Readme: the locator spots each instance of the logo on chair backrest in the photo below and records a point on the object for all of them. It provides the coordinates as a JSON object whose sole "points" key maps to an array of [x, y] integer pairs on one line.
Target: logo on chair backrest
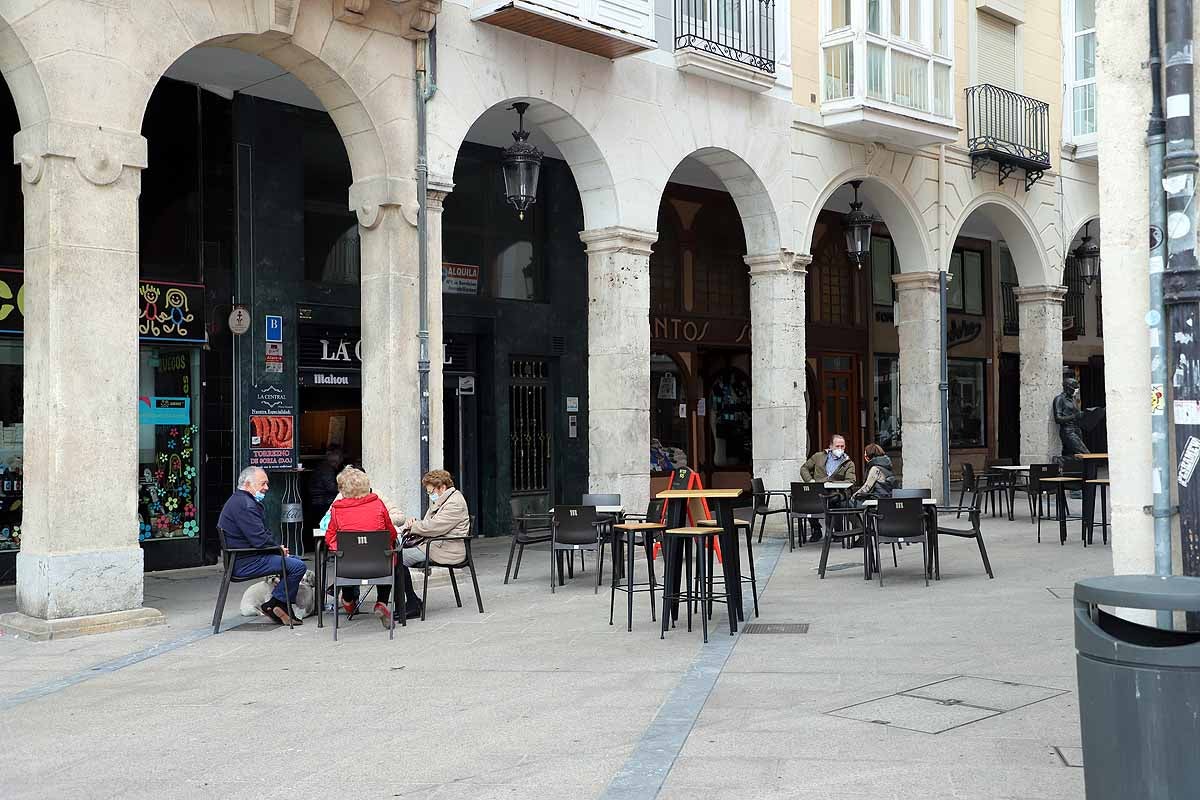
{"points": [[362, 540], [574, 512], [899, 505]]}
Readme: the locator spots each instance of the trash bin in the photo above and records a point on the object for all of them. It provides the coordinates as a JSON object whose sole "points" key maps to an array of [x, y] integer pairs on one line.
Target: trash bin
{"points": [[1139, 690]]}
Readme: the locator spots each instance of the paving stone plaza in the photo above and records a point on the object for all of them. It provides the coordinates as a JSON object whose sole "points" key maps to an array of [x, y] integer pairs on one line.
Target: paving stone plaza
{"points": [[962, 689]]}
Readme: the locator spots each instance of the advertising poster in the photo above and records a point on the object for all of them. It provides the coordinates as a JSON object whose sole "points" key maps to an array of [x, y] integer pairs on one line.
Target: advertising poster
{"points": [[460, 279], [272, 430]]}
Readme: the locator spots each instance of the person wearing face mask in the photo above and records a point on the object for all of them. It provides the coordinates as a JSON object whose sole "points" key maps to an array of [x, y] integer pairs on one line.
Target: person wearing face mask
{"points": [[831, 464], [359, 509], [447, 515], [245, 524]]}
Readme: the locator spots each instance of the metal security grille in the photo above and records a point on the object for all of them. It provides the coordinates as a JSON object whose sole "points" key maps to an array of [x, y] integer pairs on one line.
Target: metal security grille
{"points": [[531, 441]]}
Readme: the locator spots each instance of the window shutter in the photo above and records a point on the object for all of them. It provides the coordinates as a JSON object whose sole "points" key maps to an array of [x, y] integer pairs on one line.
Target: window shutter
{"points": [[996, 56]]}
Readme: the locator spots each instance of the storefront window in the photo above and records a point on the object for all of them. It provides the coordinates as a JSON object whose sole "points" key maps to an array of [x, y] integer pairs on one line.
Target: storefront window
{"points": [[729, 416], [968, 410], [882, 268], [668, 419], [11, 433], [168, 444], [965, 292], [887, 401]]}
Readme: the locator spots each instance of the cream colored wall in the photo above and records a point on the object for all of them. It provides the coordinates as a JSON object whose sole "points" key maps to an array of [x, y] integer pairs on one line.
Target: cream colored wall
{"points": [[1041, 45], [806, 53]]}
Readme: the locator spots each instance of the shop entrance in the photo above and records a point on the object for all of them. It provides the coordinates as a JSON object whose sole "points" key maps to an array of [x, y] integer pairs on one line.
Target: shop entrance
{"points": [[838, 409]]}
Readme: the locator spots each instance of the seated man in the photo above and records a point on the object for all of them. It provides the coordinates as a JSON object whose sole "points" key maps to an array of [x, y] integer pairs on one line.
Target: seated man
{"points": [[245, 525], [831, 464], [447, 515]]}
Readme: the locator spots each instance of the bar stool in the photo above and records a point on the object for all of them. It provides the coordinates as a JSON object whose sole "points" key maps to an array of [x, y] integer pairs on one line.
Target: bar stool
{"points": [[739, 526], [625, 535], [1102, 484], [692, 540]]}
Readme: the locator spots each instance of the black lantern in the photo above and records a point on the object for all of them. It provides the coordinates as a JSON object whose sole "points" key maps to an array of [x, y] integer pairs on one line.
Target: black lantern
{"points": [[1087, 257], [522, 162], [857, 225]]}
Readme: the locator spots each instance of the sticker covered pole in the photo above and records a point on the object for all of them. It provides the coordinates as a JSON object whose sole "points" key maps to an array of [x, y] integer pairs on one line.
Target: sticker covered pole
{"points": [[1181, 282]]}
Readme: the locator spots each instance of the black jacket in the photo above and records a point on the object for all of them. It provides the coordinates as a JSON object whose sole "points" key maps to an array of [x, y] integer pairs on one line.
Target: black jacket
{"points": [[245, 522], [880, 479]]}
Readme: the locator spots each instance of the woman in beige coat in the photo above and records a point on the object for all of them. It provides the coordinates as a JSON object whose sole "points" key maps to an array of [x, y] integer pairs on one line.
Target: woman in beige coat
{"points": [[447, 516]]}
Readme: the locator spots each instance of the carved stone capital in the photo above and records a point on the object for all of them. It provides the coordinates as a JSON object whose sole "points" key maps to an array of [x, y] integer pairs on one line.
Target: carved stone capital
{"points": [[100, 154], [618, 239], [916, 281], [1040, 294], [784, 262], [416, 16], [370, 196]]}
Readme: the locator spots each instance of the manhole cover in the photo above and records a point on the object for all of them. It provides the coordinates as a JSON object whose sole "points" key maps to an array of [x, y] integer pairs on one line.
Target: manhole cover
{"points": [[777, 627]]}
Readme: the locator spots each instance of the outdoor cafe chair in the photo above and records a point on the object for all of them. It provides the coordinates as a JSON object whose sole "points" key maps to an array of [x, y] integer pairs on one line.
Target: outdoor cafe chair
{"points": [[572, 530], [808, 502], [1039, 492], [991, 486], [761, 508], [528, 528], [467, 563], [851, 523], [365, 559], [604, 521], [230, 557], [899, 520], [955, 530]]}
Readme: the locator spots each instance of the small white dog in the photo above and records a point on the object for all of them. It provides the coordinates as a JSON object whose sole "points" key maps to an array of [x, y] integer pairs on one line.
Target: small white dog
{"points": [[259, 593]]}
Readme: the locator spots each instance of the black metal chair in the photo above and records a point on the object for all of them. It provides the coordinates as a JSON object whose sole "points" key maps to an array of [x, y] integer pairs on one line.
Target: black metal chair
{"points": [[230, 557], [740, 526], [365, 558], [990, 485], [973, 515], [604, 521], [844, 524], [635, 530], [899, 520], [761, 507], [572, 530], [807, 502], [1038, 492], [467, 562], [529, 528]]}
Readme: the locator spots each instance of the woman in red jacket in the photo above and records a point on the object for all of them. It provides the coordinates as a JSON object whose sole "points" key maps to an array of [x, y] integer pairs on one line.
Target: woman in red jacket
{"points": [[359, 509]]}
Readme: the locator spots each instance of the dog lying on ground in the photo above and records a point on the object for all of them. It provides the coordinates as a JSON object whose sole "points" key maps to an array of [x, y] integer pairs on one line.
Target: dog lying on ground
{"points": [[259, 593]]}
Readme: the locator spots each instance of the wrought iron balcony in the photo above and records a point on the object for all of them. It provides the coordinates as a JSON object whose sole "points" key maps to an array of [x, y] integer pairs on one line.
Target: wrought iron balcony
{"points": [[1009, 128], [740, 31]]}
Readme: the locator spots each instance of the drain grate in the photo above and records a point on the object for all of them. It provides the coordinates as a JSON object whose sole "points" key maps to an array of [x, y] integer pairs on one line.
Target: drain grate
{"points": [[777, 627], [255, 627]]}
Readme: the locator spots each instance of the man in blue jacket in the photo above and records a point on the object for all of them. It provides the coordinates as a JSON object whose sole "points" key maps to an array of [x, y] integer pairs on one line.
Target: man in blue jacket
{"points": [[245, 525]]}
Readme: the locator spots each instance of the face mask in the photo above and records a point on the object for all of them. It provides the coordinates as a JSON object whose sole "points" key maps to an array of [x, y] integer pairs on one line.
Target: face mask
{"points": [[838, 452], [433, 497], [259, 496]]}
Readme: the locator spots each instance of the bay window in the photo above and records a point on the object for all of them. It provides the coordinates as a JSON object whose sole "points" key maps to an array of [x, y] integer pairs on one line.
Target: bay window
{"points": [[900, 49], [1080, 69]]}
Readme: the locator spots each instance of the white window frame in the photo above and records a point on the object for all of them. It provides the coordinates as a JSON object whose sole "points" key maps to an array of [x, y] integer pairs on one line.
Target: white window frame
{"points": [[1070, 83], [920, 47]]}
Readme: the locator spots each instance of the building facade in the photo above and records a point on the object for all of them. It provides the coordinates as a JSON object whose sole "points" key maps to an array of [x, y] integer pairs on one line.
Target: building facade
{"points": [[679, 293]]}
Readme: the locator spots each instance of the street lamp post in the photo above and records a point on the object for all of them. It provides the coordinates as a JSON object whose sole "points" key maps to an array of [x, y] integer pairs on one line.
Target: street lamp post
{"points": [[521, 164], [857, 226]]}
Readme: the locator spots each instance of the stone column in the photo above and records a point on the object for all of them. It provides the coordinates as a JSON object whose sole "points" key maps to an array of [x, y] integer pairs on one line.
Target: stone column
{"points": [[80, 566], [778, 378], [919, 326], [1040, 309], [618, 423], [433, 210], [390, 387]]}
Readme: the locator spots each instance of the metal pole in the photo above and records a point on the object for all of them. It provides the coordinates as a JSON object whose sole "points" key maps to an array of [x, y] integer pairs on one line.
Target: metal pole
{"points": [[944, 386], [1156, 141], [425, 91], [1181, 282]]}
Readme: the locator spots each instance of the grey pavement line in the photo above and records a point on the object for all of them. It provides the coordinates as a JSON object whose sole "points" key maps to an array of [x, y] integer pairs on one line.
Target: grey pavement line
{"points": [[646, 769], [114, 665]]}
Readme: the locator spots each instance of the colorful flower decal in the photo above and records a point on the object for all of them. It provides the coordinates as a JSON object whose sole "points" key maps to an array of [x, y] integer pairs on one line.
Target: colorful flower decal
{"points": [[172, 444], [163, 522], [174, 431], [159, 474], [194, 428], [162, 458], [189, 472], [187, 453], [191, 528], [144, 530], [189, 511], [184, 491], [172, 504]]}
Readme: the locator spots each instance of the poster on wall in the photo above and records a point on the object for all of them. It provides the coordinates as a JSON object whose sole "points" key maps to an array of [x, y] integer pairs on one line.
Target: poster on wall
{"points": [[460, 279], [272, 426]]}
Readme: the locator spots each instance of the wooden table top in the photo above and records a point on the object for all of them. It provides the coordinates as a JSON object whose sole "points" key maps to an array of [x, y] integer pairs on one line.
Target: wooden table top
{"points": [[925, 501], [690, 532], [1092, 456], [639, 526], [838, 485], [711, 494], [1062, 480], [1100, 481]]}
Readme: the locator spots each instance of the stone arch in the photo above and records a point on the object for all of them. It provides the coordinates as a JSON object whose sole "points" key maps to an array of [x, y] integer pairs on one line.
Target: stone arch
{"points": [[760, 220], [21, 76], [593, 178], [1030, 256], [897, 207], [1075, 229]]}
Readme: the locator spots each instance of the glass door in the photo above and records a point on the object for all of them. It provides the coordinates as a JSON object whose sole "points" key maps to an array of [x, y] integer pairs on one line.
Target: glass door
{"points": [[839, 405], [168, 444]]}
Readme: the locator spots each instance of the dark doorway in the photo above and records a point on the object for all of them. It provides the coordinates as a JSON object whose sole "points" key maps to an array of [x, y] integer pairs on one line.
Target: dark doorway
{"points": [[1008, 444]]}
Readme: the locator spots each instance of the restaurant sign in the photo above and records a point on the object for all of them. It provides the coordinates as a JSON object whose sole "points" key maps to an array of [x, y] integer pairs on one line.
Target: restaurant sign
{"points": [[709, 330]]}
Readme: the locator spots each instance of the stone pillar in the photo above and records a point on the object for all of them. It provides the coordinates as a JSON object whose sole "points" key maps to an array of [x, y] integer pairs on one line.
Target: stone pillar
{"points": [[778, 378], [80, 566], [433, 210], [618, 423], [390, 387], [1040, 309], [919, 326]]}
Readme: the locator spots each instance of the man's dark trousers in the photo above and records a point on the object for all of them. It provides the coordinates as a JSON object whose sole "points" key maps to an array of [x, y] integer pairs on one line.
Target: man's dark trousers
{"points": [[260, 566]]}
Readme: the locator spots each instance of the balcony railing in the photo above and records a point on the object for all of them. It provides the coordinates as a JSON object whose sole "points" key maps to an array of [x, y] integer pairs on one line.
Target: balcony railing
{"points": [[1012, 316], [742, 31], [1009, 128]]}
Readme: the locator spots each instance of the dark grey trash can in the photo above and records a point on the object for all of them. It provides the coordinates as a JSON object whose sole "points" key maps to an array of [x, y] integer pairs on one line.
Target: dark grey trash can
{"points": [[1139, 690]]}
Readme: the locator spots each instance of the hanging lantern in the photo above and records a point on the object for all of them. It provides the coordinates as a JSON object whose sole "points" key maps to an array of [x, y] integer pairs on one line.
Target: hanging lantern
{"points": [[1087, 257], [857, 225], [521, 162]]}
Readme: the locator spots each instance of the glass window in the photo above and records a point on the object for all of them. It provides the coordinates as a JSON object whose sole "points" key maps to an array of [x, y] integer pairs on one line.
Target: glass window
{"points": [[972, 282], [668, 428], [910, 81], [874, 18], [954, 291], [882, 268], [168, 444], [877, 71], [968, 410], [839, 72], [12, 414], [914, 21], [841, 13], [729, 418], [1083, 70], [942, 91], [941, 28], [887, 401], [897, 20]]}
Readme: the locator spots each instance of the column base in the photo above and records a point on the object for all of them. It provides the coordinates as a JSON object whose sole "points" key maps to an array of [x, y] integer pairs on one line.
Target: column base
{"points": [[85, 583], [24, 626]]}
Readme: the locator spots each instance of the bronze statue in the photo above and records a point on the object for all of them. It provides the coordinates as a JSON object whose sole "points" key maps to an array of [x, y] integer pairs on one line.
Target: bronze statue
{"points": [[1068, 416]]}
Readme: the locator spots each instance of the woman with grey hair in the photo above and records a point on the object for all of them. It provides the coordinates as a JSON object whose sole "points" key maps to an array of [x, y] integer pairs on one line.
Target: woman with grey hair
{"points": [[360, 509]]}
